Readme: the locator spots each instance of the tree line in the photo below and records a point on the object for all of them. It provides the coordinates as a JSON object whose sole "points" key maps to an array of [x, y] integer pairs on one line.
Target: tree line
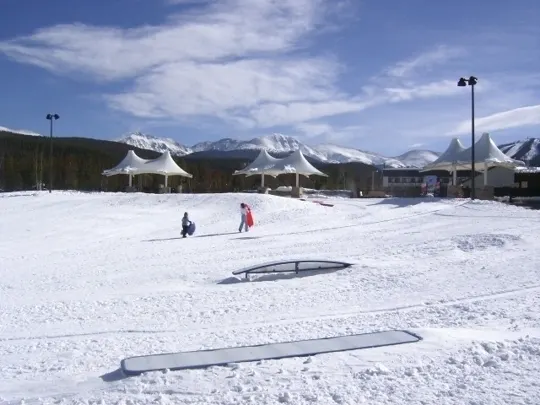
{"points": [[78, 164]]}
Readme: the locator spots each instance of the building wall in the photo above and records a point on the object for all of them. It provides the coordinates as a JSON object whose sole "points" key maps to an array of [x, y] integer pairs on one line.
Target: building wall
{"points": [[403, 180], [406, 181], [497, 177]]}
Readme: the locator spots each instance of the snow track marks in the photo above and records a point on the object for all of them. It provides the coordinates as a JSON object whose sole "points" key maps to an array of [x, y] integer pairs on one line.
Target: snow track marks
{"points": [[307, 316]]}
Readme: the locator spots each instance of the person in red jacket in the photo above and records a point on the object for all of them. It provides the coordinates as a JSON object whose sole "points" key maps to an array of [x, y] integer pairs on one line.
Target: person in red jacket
{"points": [[244, 210]]}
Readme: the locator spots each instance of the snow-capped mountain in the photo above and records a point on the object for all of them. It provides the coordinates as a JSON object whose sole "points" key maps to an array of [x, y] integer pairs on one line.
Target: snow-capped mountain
{"points": [[19, 131], [276, 143], [280, 144], [224, 144], [527, 151], [150, 142], [341, 154]]}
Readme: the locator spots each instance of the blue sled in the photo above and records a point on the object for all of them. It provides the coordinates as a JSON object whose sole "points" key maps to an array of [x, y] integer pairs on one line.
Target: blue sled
{"points": [[191, 229]]}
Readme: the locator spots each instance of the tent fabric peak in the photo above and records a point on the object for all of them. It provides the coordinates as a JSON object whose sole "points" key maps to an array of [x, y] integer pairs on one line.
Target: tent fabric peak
{"points": [[265, 164], [486, 154], [133, 165]]}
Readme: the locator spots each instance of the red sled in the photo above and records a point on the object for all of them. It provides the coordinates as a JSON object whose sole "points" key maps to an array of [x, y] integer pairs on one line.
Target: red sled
{"points": [[249, 219]]}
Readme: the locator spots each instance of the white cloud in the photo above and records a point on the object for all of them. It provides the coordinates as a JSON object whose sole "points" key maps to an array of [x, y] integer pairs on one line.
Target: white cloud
{"points": [[424, 61], [518, 117], [230, 60], [243, 62], [215, 88], [434, 89], [275, 114], [329, 133], [230, 29], [315, 129], [189, 2]]}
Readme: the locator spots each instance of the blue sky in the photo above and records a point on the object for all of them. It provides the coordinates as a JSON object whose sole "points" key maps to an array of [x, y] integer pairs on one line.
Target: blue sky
{"points": [[378, 75]]}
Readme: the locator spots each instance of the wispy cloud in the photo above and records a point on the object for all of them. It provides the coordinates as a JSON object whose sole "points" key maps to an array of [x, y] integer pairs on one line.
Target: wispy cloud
{"points": [[188, 2], [235, 60], [219, 32], [425, 61], [518, 117], [189, 88], [251, 65], [434, 89], [328, 133]]}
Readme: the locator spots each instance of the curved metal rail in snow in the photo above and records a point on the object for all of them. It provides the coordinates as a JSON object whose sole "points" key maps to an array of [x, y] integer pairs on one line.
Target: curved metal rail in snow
{"points": [[293, 266]]}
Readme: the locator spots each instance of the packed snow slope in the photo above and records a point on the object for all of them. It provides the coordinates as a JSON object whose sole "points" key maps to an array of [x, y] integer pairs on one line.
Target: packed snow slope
{"points": [[89, 279]]}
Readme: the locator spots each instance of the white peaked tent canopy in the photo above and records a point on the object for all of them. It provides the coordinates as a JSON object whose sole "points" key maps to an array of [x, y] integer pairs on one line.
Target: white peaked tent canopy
{"points": [[164, 165], [298, 164], [133, 165], [487, 153], [130, 165], [265, 164], [449, 159], [262, 165]]}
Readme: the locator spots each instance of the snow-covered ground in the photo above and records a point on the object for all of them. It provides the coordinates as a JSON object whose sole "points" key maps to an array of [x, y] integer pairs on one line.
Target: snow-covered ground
{"points": [[89, 279]]}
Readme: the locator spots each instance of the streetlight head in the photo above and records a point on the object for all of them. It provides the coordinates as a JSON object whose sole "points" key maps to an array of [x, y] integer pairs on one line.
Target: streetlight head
{"points": [[472, 80], [49, 116], [56, 116], [462, 82]]}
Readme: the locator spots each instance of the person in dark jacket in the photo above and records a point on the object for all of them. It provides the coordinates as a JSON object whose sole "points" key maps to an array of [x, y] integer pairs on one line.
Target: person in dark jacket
{"points": [[185, 224]]}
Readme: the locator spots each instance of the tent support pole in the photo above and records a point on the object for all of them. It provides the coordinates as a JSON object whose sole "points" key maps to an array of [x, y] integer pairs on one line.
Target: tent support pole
{"points": [[262, 180], [454, 176], [485, 174], [130, 180], [166, 180], [297, 180]]}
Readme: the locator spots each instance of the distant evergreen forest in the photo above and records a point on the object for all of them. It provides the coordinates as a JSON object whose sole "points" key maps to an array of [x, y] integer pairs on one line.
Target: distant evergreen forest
{"points": [[79, 162]]}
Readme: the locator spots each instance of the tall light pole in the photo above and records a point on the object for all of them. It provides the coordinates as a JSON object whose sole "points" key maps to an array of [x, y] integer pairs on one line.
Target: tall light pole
{"points": [[471, 81], [51, 117]]}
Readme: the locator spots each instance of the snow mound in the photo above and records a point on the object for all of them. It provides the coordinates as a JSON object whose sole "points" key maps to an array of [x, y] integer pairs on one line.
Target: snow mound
{"points": [[468, 243], [87, 279]]}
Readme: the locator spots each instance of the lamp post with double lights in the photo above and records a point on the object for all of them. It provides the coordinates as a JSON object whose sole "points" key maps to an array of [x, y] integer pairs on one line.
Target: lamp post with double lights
{"points": [[471, 81], [51, 117]]}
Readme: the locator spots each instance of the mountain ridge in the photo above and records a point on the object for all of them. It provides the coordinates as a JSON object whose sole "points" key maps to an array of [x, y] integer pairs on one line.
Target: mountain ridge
{"points": [[281, 144], [526, 150]]}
